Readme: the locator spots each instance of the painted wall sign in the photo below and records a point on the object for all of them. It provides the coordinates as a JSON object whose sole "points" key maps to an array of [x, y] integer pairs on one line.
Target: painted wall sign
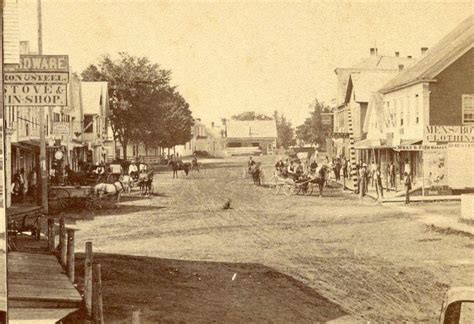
{"points": [[61, 128], [44, 63], [35, 94], [449, 133], [36, 77]]}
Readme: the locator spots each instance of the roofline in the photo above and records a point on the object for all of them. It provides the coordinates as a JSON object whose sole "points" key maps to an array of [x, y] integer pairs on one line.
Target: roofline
{"points": [[436, 72], [405, 85]]}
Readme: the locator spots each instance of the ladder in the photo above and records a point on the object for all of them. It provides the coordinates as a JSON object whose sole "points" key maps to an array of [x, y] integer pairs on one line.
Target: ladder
{"points": [[352, 153]]}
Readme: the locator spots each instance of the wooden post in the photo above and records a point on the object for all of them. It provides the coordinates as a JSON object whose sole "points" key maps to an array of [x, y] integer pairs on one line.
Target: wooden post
{"points": [[70, 254], [136, 317], [38, 230], [62, 243], [97, 310], [51, 234], [88, 279]]}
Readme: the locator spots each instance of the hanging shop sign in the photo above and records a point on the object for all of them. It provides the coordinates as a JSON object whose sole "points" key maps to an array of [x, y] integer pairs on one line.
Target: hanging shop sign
{"points": [[44, 63], [35, 94], [35, 78], [449, 133], [60, 128]]}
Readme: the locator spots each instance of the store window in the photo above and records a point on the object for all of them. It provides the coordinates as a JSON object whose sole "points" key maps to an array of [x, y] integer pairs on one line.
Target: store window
{"points": [[468, 109]]}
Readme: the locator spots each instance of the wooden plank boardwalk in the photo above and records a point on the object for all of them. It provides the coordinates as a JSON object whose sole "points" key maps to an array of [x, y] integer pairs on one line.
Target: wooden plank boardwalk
{"points": [[39, 291]]}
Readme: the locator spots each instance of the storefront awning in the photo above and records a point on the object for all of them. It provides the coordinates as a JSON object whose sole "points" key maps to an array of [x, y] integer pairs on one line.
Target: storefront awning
{"points": [[409, 145], [370, 144]]}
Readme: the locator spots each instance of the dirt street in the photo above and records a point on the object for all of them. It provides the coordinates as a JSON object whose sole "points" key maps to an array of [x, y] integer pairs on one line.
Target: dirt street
{"points": [[270, 257]]}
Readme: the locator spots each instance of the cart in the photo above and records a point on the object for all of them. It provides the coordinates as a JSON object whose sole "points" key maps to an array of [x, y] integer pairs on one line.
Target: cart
{"points": [[61, 198]]}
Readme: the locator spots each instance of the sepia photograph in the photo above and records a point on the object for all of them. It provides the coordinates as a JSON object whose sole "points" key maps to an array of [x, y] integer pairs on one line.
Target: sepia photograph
{"points": [[171, 161]]}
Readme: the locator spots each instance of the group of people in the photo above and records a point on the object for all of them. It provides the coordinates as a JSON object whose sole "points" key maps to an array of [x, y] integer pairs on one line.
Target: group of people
{"points": [[373, 175], [24, 184]]}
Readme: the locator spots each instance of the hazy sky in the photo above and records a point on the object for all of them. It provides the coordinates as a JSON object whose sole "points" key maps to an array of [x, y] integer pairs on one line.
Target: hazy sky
{"points": [[229, 57]]}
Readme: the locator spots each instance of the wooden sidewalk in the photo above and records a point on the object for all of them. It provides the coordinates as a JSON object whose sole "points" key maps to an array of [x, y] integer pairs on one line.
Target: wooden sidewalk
{"points": [[39, 290]]}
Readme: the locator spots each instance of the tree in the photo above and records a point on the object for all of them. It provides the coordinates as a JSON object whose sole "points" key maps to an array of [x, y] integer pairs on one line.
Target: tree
{"points": [[285, 132], [144, 108], [312, 131], [250, 115]]}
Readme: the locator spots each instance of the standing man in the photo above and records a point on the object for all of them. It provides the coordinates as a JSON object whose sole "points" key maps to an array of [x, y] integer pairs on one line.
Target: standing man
{"points": [[250, 163], [407, 183], [362, 180], [378, 183], [391, 174]]}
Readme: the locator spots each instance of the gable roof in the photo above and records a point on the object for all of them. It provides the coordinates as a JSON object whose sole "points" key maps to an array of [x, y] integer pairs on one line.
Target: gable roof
{"points": [[251, 129], [440, 56], [94, 98], [375, 113], [370, 64], [365, 83]]}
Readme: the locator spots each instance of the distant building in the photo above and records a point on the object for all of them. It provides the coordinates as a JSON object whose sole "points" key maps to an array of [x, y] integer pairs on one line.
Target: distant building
{"points": [[205, 140], [242, 137]]}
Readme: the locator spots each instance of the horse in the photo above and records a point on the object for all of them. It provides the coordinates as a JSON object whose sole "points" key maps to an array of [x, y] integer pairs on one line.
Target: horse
{"points": [[177, 166], [321, 178], [128, 182], [103, 189], [145, 182]]}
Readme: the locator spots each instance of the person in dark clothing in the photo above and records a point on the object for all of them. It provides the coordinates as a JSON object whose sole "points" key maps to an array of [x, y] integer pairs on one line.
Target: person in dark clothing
{"points": [[337, 169], [378, 182], [250, 163], [391, 174], [407, 182]]}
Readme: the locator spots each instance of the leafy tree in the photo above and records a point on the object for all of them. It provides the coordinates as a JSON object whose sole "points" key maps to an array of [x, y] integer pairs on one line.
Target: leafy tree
{"points": [[144, 108], [312, 131], [285, 131], [250, 115]]}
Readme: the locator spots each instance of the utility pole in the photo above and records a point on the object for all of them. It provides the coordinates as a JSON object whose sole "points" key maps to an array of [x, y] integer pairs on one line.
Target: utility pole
{"points": [[43, 167]]}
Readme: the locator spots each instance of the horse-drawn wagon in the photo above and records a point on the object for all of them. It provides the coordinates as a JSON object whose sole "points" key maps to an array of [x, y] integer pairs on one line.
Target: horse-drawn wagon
{"points": [[60, 198]]}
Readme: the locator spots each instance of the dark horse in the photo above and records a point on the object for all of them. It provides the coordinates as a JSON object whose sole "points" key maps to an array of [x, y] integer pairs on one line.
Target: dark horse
{"points": [[145, 182], [320, 179], [177, 166]]}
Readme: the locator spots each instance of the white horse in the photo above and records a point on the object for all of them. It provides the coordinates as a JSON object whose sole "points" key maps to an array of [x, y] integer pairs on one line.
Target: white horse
{"points": [[127, 182], [102, 189]]}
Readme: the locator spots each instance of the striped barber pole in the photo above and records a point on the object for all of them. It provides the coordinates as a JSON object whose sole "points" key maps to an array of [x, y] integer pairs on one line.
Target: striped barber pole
{"points": [[352, 152]]}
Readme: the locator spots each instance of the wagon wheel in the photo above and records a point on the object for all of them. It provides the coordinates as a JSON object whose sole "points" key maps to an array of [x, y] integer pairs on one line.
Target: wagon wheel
{"points": [[92, 202], [58, 200], [297, 189]]}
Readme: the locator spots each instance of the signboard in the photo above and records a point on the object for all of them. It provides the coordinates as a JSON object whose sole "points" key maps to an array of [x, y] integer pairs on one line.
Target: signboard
{"points": [[35, 94], [460, 162], [44, 63], [39, 77], [60, 128], [434, 166], [326, 119], [449, 133], [340, 135]]}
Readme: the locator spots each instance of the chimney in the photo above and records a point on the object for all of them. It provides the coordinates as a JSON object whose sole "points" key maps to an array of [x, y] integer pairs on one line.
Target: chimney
{"points": [[373, 52], [409, 56], [397, 54], [24, 47], [424, 50], [400, 67]]}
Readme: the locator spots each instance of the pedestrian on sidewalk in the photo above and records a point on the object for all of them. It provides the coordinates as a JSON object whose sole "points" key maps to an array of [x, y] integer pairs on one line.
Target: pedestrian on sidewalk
{"points": [[362, 180], [378, 183], [407, 182], [391, 174]]}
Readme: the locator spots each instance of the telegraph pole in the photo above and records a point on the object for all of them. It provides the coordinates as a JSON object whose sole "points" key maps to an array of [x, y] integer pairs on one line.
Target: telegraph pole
{"points": [[43, 168]]}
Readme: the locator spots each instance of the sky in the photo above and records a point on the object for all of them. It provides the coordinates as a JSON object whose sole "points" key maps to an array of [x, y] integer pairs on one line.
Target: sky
{"points": [[229, 57]]}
